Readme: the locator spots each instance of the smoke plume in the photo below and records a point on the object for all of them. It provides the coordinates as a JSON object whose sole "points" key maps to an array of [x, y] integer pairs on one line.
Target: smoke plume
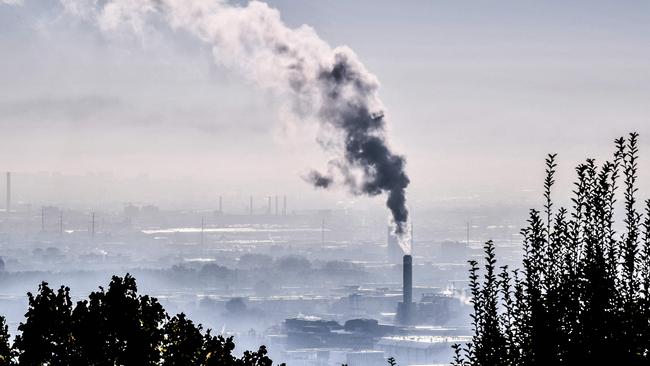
{"points": [[323, 84]]}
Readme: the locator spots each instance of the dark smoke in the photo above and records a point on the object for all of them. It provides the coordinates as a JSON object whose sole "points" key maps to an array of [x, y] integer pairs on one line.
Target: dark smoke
{"points": [[365, 145], [319, 180]]}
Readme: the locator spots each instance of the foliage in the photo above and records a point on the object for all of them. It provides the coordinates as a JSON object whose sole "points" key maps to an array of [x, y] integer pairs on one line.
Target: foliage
{"points": [[114, 327], [6, 353], [582, 295]]}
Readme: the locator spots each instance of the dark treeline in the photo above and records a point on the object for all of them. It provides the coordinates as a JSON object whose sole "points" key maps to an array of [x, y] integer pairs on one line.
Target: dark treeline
{"points": [[115, 326], [581, 296]]}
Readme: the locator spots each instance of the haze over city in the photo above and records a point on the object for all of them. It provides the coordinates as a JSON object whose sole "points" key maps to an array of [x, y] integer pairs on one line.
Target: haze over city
{"points": [[281, 170]]}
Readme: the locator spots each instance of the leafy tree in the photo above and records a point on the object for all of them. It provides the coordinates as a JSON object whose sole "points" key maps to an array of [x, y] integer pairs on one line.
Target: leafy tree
{"points": [[183, 342], [581, 295], [114, 327], [118, 326], [6, 353], [46, 333]]}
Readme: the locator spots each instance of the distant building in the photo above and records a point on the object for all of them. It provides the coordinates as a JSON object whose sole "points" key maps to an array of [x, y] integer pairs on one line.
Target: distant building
{"points": [[419, 350], [356, 334], [131, 211], [365, 358]]}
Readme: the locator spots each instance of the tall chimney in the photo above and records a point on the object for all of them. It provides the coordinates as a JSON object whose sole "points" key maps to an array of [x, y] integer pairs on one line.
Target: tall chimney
{"points": [[408, 280], [8, 207], [407, 309]]}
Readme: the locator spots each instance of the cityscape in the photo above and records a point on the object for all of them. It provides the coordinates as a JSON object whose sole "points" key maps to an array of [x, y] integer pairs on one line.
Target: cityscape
{"points": [[324, 183], [317, 286]]}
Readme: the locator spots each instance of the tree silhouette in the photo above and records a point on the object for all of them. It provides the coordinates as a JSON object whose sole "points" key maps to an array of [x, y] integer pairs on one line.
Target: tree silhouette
{"points": [[6, 353], [114, 327], [581, 295]]}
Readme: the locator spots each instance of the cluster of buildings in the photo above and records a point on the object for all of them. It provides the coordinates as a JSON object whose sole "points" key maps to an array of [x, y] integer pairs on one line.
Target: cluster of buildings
{"points": [[409, 307]]}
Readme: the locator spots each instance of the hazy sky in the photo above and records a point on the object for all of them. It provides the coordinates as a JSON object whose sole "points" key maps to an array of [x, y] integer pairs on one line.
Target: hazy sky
{"points": [[477, 93]]}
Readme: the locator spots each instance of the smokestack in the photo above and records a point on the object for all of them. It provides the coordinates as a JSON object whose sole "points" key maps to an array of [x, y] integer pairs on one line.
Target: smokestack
{"points": [[268, 208], [220, 206], [251, 206], [284, 206], [408, 280], [8, 207], [276, 206], [406, 309]]}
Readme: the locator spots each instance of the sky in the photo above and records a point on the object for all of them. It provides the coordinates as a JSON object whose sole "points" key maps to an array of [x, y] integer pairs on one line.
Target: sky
{"points": [[477, 93]]}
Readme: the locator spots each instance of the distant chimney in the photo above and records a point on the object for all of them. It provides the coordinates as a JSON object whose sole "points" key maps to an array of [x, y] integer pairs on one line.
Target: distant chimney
{"points": [[394, 251], [251, 206], [220, 206], [8, 206]]}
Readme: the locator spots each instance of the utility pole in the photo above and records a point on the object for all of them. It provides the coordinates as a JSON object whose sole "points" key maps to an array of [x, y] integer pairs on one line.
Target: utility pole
{"points": [[251, 206], [202, 228], [322, 233], [61, 222], [8, 207], [92, 226]]}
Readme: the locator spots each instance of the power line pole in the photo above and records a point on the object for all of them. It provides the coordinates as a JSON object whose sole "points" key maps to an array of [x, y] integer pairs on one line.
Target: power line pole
{"points": [[92, 226], [322, 233], [8, 206], [202, 228]]}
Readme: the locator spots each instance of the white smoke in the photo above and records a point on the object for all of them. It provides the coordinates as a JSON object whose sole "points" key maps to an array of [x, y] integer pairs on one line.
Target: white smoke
{"points": [[320, 83]]}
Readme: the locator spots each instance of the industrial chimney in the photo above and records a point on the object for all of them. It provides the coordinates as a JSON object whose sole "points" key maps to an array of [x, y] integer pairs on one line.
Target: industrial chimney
{"points": [[406, 308], [407, 279]]}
